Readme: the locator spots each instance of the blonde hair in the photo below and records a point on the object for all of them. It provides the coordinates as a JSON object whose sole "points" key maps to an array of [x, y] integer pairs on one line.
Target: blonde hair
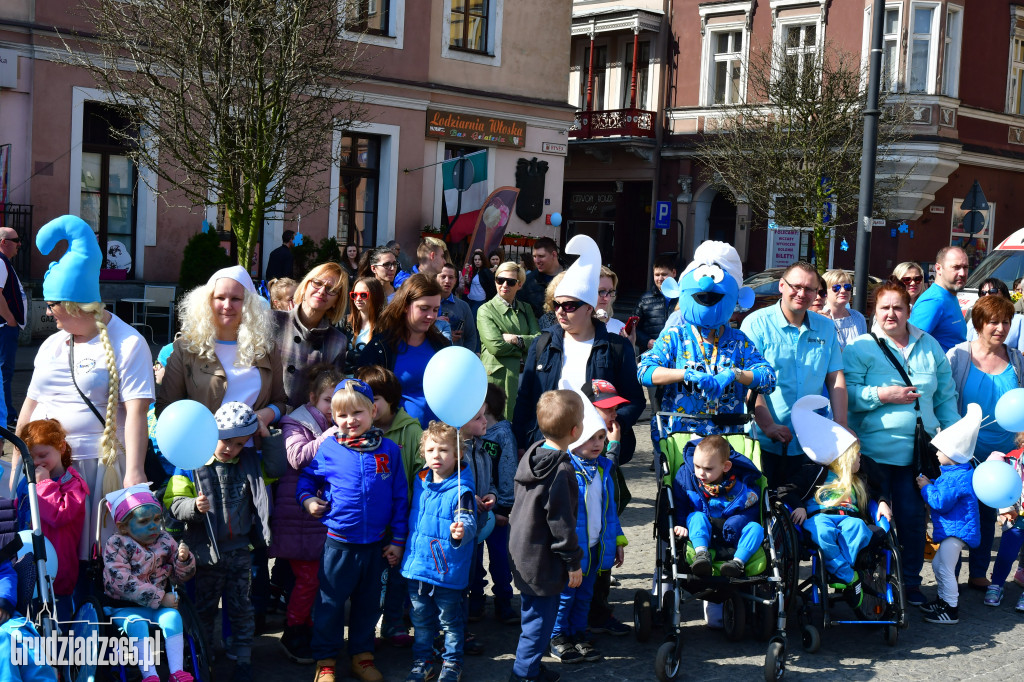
{"points": [[346, 398], [610, 274], [509, 266], [847, 482], [255, 333], [558, 413], [716, 446], [901, 270], [439, 432], [336, 311], [110, 447], [549, 292], [832, 277]]}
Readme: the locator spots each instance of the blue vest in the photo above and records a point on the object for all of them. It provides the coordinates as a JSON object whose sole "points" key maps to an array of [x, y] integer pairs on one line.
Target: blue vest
{"points": [[430, 554]]}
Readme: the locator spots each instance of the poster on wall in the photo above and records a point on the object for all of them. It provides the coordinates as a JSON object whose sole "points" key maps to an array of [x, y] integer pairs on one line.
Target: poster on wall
{"points": [[783, 247], [975, 246], [493, 219]]}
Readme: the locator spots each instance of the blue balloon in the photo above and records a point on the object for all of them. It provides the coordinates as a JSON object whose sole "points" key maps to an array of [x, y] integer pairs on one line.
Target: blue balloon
{"points": [[186, 434], [556, 219], [997, 484], [1010, 410], [455, 385]]}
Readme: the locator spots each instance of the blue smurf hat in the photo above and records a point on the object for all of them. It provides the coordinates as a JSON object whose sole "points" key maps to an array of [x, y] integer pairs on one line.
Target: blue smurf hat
{"points": [[165, 354], [356, 385], [76, 276]]}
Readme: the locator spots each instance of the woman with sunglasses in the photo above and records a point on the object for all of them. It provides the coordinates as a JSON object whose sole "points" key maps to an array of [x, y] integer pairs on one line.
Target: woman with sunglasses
{"points": [[506, 328], [849, 323], [308, 334], [367, 303], [992, 286], [911, 276]]}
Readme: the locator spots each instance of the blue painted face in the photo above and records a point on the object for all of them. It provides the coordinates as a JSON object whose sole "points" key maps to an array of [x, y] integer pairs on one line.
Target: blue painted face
{"points": [[143, 524], [708, 296]]}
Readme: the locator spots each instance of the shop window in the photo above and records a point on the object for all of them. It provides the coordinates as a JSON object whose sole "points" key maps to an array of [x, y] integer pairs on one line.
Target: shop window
{"points": [[109, 181], [359, 159], [368, 16], [643, 60]]}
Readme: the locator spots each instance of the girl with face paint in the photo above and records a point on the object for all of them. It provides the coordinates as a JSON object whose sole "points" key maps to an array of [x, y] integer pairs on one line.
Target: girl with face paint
{"points": [[139, 563]]}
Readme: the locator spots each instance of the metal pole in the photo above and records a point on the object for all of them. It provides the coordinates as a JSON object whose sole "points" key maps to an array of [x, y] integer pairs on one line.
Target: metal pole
{"points": [[862, 256]]}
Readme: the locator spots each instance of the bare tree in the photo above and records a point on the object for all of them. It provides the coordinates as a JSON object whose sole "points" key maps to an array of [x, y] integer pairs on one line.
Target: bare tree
{"points": [[237, 101], [792, 152]]}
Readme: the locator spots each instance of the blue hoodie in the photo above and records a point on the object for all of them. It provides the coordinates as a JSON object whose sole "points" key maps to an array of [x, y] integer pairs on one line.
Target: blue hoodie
{"points": [[954, 505], [432, 556]]}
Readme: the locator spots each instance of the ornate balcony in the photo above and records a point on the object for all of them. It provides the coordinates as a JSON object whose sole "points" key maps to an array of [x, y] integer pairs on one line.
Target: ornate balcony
{"points": [[612, 123]]}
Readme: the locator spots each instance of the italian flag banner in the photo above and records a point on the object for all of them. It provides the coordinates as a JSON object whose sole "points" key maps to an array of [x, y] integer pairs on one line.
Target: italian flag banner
{"points": [[472, 199]]}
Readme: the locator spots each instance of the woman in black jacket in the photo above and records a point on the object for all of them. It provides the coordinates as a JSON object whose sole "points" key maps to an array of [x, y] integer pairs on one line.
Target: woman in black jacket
{"points": [[476, 282]]}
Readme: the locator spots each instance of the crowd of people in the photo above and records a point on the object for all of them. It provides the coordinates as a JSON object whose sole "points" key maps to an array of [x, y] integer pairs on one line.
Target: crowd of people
{"points": [[335, 485]]}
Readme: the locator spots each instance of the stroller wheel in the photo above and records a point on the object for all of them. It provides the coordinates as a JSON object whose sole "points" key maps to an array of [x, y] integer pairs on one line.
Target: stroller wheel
{"points": [[642, 616], [775, 661], [85, 623], [891, 634], [734, 618], [810, 638], [666, 662]]}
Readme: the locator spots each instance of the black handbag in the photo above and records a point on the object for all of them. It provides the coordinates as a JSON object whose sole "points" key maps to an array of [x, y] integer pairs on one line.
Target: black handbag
{"points": [[926, 457]]}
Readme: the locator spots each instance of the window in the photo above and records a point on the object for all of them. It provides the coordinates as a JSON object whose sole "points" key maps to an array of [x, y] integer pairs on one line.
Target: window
{"points": [[800, 44], [368, 16], [726, 68], [357, 190], [951, 51], [921, 53], [1016, 105], [890, 48], [469, 25], [643, 60], [109, 181], [599, 76]]}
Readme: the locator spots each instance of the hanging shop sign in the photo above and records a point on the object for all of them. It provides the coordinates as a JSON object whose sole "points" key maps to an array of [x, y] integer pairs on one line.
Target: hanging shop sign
{"points": [[501, 132]]}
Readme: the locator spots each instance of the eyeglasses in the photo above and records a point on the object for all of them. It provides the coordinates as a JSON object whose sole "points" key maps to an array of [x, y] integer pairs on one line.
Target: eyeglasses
{"points": [[326, 286], [810, 291], [989, 292], [51, 306], [840, 287], [390, 265], [606, 293], [16, 240], [507, 281], [568, 306], [917, 279], [359, 295], [822, 293]]}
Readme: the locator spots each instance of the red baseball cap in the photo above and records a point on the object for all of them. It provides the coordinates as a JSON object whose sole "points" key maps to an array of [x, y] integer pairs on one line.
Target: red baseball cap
{"points": [[603, 394]]}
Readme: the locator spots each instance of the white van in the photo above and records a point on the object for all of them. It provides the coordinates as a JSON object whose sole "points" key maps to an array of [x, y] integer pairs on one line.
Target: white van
{"points": [[1006, 262]]}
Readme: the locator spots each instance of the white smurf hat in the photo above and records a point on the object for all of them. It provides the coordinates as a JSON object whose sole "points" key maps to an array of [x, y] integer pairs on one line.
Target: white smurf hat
{"points": [[822, 439], [237, 273], [592, 421], [583, 278], [957, 441], [123, 502], [718, 253]]}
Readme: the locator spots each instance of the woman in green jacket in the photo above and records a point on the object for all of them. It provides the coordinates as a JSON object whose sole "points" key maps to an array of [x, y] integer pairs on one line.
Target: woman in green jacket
{"points": [[506, 328]]}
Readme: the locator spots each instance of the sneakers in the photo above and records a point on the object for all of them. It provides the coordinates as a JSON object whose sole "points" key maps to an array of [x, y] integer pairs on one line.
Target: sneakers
{"points": [[993, 595], [295, 642], [734, 568], [587, 650], [563, 650], [854, 592], [364, 669], [1020, 604], [471, 646], [506, 614], [324, 670], [421, 672], [943, 614], [1018, 577], [701, 563], [915, 597], [611, 627], [450, 672], [180, 676]]}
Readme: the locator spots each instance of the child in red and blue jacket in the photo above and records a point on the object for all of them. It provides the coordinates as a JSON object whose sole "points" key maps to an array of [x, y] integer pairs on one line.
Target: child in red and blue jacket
{"points": [[356, 484]]}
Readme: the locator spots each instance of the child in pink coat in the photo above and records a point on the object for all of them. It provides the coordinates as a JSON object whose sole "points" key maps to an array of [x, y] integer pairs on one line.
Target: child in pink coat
{"points": [[62, 492]]}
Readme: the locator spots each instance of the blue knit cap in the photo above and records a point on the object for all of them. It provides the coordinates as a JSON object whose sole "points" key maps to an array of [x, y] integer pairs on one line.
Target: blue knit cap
{"points": [[76, 276], [165, 354]]}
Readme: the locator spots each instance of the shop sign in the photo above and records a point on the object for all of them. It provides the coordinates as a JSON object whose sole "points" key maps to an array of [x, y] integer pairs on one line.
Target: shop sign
{"points": [[591, 204], [502, 132], [8, 69], [554, 148]]}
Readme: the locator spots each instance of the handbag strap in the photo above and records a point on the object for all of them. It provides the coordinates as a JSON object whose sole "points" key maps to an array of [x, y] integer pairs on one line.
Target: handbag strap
{"points": [[71, 366], [897, 365]]}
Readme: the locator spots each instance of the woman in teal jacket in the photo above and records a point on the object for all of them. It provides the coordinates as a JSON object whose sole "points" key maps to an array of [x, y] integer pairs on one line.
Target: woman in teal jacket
{"points": [[883, 412]]}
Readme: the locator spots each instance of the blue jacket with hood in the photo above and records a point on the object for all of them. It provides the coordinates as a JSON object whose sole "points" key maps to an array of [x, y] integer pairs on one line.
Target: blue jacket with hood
{"points": [[611, 530], [954, 505]]}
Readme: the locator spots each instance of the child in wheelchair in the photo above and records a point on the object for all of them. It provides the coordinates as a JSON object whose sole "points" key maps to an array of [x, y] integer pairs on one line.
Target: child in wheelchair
{"points": [[716, 493], [139, 562]]}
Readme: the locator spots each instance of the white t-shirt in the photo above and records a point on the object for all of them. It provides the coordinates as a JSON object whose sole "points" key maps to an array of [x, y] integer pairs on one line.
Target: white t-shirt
{"points": [[595, 491], [574, 361], [476, 290], [54, 391], [243, 382]]}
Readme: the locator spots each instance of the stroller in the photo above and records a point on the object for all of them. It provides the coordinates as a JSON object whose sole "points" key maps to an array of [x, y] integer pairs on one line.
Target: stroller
{"points": [[759, 595]]}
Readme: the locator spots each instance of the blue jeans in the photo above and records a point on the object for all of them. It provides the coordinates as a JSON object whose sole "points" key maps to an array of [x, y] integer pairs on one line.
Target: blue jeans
{"points": [[501, 574], [900, 485], [8, 349], [980, 556], [437, 608], [347, 571], [841, 538], [698, 526], [1009, 548], [574, 605], [539, 614], [396, 594]]}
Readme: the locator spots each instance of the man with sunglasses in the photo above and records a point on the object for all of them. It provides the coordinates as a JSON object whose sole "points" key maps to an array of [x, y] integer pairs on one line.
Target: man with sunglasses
{"points": [[937, 310], [803, 347], [13, 305]]}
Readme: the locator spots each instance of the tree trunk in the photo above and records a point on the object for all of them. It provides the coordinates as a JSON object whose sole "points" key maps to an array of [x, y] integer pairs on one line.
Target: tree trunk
{"points": [[821, 238]]}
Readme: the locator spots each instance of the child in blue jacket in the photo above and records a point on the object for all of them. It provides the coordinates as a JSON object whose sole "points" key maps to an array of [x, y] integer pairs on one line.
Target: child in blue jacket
{"points": [[600, 536], [357, 485], [442, 537], [717, 483], [955, 517]]}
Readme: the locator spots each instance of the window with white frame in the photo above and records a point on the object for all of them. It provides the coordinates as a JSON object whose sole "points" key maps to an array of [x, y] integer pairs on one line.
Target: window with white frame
{"points": [[472, 30], [643, 61], [368, 16], [891, 49], [921, 53], [799, 51], [1016, 98], [951, 51], [725, 67]]}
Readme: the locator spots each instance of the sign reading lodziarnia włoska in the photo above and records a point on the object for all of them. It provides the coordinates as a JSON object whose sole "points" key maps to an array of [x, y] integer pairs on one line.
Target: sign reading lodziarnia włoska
{"points": [[450, 125]]}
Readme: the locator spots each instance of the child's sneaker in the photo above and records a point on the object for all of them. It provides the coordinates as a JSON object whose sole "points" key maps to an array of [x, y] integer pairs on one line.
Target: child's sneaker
{"points": [[324, 670], [564, 650], [1020, 604], [943, 614], [450, 672], [701, 563], [363, 668], [734, 568], [587, 649], [611, 627], [421, 671], [993, 595], [1018, 577], [854, 592], [180, 676]]}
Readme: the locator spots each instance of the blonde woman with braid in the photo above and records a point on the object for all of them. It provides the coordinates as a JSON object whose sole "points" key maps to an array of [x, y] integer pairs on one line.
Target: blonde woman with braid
{"points": [[108, 361]]}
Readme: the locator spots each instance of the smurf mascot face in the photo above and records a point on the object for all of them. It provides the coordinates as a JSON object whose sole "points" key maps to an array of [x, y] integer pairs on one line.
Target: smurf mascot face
{"points": [[711, 286]]}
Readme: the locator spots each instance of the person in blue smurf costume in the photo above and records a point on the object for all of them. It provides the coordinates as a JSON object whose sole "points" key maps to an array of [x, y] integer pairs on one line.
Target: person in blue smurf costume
{"points": [[704, 364]]}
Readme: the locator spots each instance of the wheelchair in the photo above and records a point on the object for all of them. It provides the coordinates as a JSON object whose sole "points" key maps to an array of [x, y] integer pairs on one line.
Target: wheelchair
{"points": [[759, 597]]}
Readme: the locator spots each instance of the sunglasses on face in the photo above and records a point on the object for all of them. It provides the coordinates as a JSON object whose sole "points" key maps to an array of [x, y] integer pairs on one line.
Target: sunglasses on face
{"points": [[16, 240], [359, 295], [989, 292], [917, 279], [391, 265], [507, 281], [567, 306], [842, 287]]}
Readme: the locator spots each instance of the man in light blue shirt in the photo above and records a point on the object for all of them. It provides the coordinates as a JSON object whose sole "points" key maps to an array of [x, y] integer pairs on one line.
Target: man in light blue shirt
{"points": [[804, 349], [937, 310]]}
